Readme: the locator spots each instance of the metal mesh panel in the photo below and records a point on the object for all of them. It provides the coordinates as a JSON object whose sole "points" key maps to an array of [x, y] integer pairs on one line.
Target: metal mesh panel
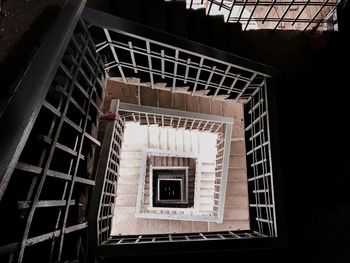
{"points": [[161, 64], [200, 236], [111, 174], [48, 189], [260, 174]]}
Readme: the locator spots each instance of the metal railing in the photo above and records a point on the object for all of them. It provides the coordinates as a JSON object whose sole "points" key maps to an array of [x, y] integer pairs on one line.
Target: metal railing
{"points": [[107, 174], [144, 54], [261, 14], [48, 132], [185, 237], [260, 174], [221, 168]]}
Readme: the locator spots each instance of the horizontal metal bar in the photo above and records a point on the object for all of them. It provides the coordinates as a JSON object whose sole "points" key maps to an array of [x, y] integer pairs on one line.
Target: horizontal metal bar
{"points": [[280, 3], [44, 203], [259, 162], [262, 205], [258, 147], [270, 19], [37, 170], [177, 217], [264, 220], [256, 120], [256, 134], [57, 233], [259, 177], [171, 113]]}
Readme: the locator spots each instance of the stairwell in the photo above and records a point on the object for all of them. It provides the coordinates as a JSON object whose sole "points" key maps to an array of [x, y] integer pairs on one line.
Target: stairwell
{"points": [[195, 25], [236, 215]]}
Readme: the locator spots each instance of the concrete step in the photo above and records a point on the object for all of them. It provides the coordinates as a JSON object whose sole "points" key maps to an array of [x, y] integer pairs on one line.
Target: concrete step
{"points": [[208, 168], [236, 213], [171, 139], [199, 226], [236, 201], [237, 160], [207, 184], [230, 225], [130, 163], [194, 142], [206, 199], [153, 136], [164, 226], [125, 155], [207, 191], [126, 200], [237, 174], [207, 176], [237, 147], [130, 171], [163, 139], [131, 179], [206, 208], [237, 187], [179, 140], [134, 137], [126, 189], [175, 226], [187, 140]]}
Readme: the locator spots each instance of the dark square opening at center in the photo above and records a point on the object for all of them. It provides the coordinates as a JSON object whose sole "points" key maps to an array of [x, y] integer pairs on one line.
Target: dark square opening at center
{"points": [[170, 189]]}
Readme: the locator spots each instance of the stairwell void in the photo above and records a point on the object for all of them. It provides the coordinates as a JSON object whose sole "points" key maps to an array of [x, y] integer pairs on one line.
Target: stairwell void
{"points": [[62, 159], [169, 141]]}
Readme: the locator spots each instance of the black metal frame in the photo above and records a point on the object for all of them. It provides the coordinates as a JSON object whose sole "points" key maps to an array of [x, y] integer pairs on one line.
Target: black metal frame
{"points": [[49, 144]]}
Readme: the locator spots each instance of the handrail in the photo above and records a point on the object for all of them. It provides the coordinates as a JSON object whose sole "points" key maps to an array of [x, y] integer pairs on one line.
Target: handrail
{"points": [[20, 113]]}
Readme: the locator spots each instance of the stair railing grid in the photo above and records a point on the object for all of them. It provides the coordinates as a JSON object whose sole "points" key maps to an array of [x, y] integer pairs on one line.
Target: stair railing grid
{"points": [[260, 173], [310, 14]]}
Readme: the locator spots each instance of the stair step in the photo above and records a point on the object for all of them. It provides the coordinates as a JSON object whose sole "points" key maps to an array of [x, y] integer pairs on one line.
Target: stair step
{"points": [[128, 180], [125, 155], [199, 226], [204, 199], [130, 163], [194, 142], [171, 139], [237, 147], [153, 137], [237, 174], [207, 184], [230, 225], [235, 213], [207, 191], [207, 176], [236, 201], [126, 200], [124, 188], [237, 187], [237, 160], [207, 168], [131, 171], [179, 140]]}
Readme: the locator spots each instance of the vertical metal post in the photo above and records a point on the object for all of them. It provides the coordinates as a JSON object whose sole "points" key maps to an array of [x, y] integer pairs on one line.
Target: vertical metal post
{"points": [[223, 182]]}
